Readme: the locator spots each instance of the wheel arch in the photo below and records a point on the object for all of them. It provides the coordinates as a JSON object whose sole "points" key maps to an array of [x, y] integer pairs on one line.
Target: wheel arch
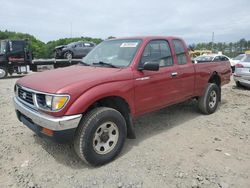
{"points": [[216, 79], [117, 102], [120, 104]]}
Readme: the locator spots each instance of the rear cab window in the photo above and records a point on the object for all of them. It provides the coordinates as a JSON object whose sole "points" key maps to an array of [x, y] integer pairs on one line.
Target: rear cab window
{"points": [[180, 52], [157, 51]]}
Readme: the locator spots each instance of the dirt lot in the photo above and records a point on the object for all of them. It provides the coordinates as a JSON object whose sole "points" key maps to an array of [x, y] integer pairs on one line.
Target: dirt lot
{"points": [[175, 147]]}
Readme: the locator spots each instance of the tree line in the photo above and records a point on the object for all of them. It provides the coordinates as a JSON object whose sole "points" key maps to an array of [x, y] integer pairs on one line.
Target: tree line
{"points": [[45, 50], [41, 49]]}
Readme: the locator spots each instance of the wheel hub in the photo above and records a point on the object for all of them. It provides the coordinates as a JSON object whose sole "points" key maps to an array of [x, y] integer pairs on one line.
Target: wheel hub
{"points": [[2, 73], [212, 99], [105, 138]]}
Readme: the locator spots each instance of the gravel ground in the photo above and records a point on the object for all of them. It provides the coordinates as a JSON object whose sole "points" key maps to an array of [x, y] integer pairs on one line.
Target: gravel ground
{"points": [[175, 147]]}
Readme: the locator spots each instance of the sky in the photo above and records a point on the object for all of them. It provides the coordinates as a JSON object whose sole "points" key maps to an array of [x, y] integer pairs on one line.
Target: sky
{"points": [[195, 20]]}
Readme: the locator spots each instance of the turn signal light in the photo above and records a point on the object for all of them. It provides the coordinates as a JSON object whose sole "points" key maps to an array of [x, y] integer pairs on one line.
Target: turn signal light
{"points": [[47, 132]]}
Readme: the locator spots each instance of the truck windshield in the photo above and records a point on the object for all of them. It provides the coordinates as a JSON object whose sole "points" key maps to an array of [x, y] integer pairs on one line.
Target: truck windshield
{"points": [[118, 53], [3, 47]]}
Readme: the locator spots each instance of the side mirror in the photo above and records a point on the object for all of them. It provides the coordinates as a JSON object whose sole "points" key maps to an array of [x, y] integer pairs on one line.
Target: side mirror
{"points": [[151, 66]]}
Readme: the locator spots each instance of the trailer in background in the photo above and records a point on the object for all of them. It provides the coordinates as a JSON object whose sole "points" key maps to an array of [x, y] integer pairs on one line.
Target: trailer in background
{"points": [[38, 65], [16, 57]]}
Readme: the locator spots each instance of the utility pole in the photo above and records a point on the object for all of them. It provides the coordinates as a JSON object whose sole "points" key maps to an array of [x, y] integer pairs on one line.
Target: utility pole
{"points": [[212, 41]]}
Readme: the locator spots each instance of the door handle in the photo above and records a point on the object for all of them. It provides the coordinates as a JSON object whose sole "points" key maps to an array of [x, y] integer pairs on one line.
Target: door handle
{"points": [[174, 74]]}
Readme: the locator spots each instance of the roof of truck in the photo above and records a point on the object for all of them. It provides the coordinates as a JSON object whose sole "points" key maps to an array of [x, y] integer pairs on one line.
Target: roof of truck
{"points": [[148, 37]]}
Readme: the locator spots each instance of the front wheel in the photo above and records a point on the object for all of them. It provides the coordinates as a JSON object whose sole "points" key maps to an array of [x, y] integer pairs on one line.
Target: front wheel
{"points": [[3, 72], [100, 136], [68, 55], [208, 103]]}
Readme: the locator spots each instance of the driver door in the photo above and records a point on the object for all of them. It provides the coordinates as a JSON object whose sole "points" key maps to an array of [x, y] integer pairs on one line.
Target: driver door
{"points": [[156, 89]]}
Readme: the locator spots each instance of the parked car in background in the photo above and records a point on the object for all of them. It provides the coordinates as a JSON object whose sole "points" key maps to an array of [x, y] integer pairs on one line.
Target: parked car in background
{"points": [[242, 72], [215, 58], [238, 58], [74, 50]]}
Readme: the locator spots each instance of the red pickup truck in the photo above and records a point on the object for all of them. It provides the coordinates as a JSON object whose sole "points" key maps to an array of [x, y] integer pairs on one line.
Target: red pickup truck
{"points": [[93, 104]]}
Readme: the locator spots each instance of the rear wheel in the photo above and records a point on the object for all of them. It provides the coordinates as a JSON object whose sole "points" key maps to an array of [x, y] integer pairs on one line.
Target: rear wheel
{"points": [[100, 136], [238, 84], [3, 72], [208, 103], [233, 68]]}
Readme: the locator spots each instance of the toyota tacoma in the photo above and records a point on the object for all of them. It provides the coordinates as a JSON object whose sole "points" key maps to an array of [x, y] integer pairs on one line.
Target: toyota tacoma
{"points": [[93, 104]]}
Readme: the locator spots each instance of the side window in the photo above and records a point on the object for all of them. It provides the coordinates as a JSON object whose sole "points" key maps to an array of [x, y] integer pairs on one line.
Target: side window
{"points": [[87, 44], [223, 58], [158, 51], [180, 52], [79, 45]]}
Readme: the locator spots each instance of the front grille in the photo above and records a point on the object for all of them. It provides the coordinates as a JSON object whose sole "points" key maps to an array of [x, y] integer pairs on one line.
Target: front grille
{"points": [[25, 95]]}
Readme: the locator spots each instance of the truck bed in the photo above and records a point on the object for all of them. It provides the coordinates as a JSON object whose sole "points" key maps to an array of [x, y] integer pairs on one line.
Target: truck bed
{"points": [[203, 72]]}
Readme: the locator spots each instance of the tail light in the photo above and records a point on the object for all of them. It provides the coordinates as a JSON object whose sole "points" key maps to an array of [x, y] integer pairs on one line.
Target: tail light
{"points": [[239, 65]]}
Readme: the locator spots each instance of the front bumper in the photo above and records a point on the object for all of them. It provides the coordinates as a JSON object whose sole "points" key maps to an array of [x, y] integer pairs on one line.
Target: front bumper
{"points": [[244, 80], [58, 54], [36, 121]]}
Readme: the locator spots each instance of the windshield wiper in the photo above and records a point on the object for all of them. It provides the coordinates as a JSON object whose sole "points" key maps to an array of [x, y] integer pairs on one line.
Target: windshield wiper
{"points": [[103, 63]]}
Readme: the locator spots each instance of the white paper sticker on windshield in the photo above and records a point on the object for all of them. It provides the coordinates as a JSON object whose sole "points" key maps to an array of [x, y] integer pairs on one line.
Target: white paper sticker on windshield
{"points": [[129, 44]]}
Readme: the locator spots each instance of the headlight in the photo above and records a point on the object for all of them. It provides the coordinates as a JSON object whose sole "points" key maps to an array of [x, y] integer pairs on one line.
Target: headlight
{"points": [[58, 102], [51, 102]]}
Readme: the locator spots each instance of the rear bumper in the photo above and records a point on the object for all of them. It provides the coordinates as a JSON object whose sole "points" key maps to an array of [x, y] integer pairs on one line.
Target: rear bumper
{"points": [[244, 80], [63, 127]]}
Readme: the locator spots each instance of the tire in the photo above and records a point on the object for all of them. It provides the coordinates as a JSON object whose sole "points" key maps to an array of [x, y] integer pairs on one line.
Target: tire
{"points": [[100, 136], [238, 84], [3, 72], [68, 55], [233, 68], [208, 103]]}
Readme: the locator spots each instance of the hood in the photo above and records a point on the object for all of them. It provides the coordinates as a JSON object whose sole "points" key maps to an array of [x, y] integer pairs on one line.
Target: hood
{"points": [[74, 79], [58, 47]]}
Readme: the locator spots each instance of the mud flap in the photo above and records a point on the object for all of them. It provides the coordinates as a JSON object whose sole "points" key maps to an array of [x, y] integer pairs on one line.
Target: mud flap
{"points": [[130, 128]]}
